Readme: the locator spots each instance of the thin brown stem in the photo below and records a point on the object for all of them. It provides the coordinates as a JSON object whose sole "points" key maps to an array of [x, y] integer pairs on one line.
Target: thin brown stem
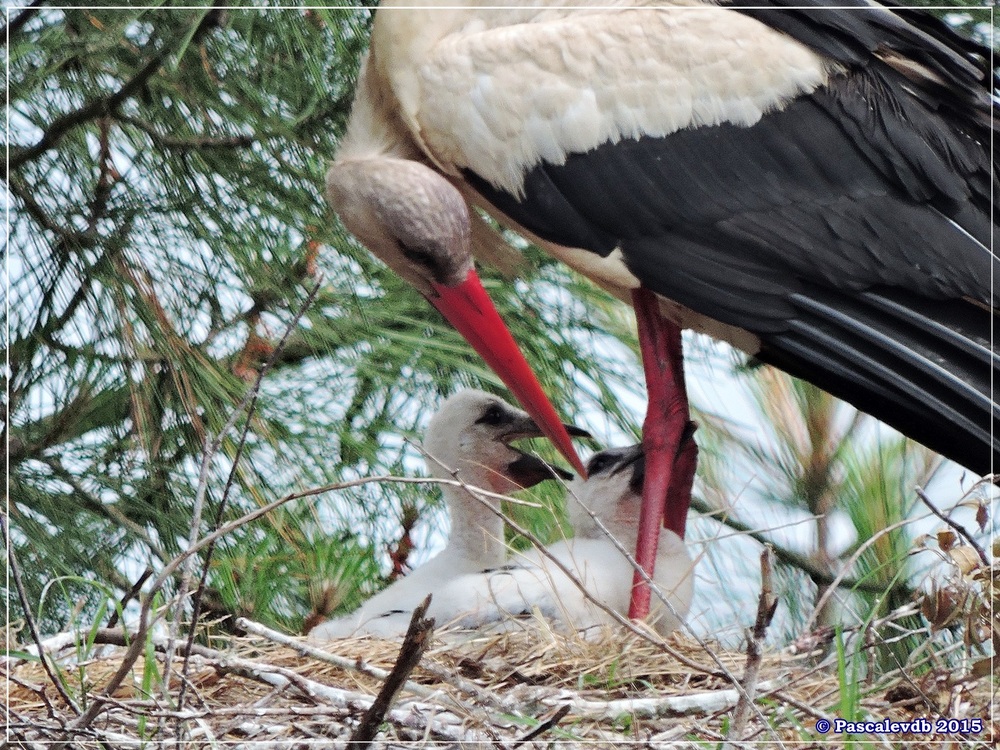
{"points": [[414, 645], [22, 596], [767, 603], [247, 406], [790, 557], [959, 529]]}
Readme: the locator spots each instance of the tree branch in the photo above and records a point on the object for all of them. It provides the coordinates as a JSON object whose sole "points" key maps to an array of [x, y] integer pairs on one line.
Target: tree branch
{"points": [[767, 603], [18, 23], [247, 406], [187, 144], [794, 559], [35, 210], [99, 107], [15, 571], [961, 530], [415, 643]]}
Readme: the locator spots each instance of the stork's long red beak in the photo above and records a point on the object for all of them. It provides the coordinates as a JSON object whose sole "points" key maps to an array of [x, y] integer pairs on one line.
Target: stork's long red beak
{"points": [[469, 308]]}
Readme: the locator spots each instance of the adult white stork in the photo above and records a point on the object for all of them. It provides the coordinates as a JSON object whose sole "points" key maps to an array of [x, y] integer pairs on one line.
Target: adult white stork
{"points": [[604, 511], [811, 184], [470, 435]]}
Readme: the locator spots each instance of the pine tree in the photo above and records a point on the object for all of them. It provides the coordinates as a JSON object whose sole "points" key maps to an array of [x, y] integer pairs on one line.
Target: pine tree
{"points": [[167, 228]]}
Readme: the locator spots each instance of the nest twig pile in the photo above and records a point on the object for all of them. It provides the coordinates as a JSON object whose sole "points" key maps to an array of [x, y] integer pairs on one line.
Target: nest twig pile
{"points": [[526, 687]]}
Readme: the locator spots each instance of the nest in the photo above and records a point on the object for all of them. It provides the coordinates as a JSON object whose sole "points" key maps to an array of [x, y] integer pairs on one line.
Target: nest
{"points": [[529, 687]]}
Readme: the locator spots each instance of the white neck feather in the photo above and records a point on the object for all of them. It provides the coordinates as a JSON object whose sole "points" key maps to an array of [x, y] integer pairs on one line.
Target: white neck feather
{"points": [[476, 531]]}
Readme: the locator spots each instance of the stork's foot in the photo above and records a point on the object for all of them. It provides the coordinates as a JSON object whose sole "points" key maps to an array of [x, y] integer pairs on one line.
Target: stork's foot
{"points": [[666, 440]]}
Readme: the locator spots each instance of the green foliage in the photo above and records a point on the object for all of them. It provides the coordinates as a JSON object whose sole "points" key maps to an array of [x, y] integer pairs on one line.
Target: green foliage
{"points": [[849, 667], [810, 451], [166, 168]]}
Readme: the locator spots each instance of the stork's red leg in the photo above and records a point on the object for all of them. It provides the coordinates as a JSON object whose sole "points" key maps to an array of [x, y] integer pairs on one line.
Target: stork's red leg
{"points": [[669, 459], [681, 481]]}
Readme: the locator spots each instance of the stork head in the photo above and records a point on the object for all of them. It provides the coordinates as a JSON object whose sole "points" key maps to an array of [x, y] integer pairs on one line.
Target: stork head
{"points": [[612, 491], [417, 222], [408, 215], [472, 434]]}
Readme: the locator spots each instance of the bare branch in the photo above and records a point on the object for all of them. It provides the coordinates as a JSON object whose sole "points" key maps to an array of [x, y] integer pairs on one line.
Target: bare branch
{"points": [[186, 144], [790, 557], [821, 602], [247, 405], [414, 645], [353, 665], [130, 595], [146, 619], [767, 603], [437, 720]]}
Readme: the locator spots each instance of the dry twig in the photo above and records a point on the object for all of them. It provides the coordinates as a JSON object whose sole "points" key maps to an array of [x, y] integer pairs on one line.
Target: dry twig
{"points": [[961, 530], [767, 603], [353, 665], [414, 645], [821, 602], [550, 721], [246, 406]]}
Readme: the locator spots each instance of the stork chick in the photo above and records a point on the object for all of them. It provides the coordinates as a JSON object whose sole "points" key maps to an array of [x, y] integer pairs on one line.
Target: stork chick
{"points": [[604, 510], [470, 438]]}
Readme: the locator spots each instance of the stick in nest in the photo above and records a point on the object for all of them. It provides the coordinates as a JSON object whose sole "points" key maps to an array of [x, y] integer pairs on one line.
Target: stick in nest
{"points": [[414, 644], [766, 606], [555, 717]]}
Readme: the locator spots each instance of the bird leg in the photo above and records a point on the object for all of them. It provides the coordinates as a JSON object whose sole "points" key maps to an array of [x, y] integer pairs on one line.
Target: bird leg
{"points": [[681, 480], [666, 440]]}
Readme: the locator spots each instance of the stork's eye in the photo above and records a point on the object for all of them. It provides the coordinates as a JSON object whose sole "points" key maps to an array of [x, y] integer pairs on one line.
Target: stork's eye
{"points": [[493, 416], [423, 258], [599, 463]]}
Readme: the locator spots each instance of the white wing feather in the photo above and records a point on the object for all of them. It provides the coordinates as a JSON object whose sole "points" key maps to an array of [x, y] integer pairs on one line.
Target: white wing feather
{"points": [[500, 100]]}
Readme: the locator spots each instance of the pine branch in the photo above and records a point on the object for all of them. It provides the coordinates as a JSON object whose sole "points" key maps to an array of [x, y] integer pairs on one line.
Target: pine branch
{"points": [[106, 510], [247, 408], [839, 579], [67, 237], [110, 407], [796, 560], [193, 143], [20, 20], [104, 106]]}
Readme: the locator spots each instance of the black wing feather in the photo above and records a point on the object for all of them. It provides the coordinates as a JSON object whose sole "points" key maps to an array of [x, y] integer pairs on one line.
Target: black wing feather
{"points": [[849, 229]]}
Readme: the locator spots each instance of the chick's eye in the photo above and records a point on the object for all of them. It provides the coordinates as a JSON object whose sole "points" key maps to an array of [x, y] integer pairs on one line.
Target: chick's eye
{"points": [[492, 416]]}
